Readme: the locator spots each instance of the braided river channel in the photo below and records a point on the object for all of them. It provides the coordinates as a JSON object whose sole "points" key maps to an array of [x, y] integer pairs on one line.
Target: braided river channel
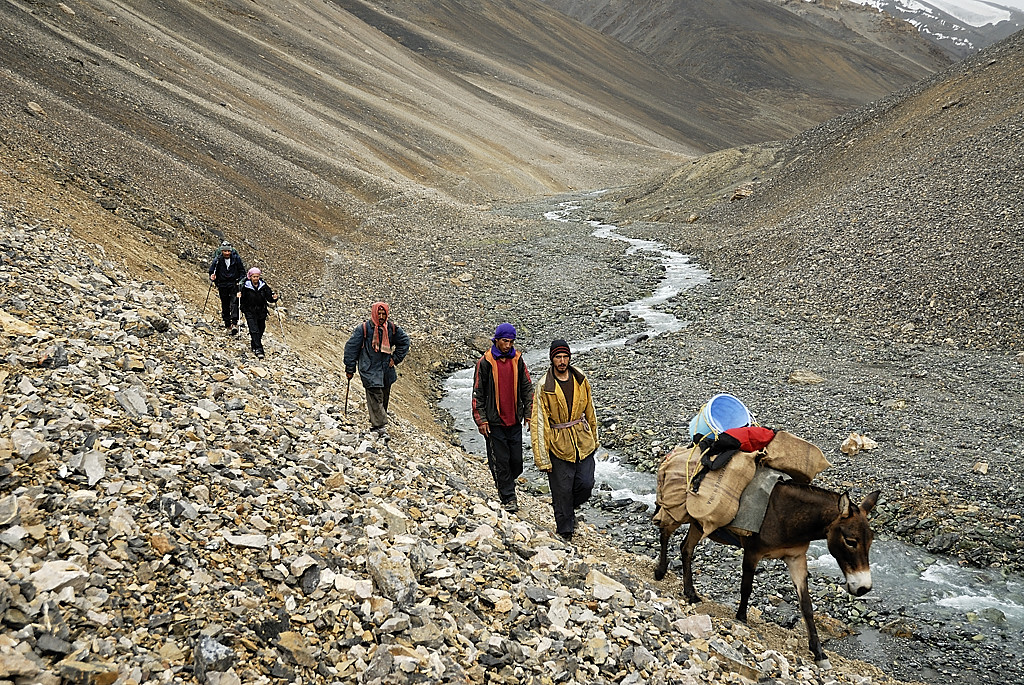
{"points": [[927, 617]]}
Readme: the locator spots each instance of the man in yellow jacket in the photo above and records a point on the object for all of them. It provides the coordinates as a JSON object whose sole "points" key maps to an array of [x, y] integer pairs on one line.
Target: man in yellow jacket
{"points": [[564, 436]]}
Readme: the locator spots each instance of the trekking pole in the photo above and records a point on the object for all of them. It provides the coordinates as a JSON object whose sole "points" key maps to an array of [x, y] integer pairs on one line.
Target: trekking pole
{"points": [[210, 290], [279, 322], [347, 386]]}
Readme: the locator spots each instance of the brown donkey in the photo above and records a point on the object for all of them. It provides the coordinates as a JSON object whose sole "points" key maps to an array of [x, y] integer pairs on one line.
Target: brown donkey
{"points": [[796, 515]]}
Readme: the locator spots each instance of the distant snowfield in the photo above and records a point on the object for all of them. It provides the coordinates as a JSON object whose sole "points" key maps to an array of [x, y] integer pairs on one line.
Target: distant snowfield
{"points": [[975, 13]]}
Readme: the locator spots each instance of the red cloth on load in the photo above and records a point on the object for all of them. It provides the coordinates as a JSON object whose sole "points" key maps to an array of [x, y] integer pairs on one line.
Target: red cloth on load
{"points": [[752, 438]]}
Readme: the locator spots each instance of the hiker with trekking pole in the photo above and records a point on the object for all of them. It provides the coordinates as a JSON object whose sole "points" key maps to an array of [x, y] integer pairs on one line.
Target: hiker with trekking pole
{"points": [[253, 298], [227, 271], [377, 346]]}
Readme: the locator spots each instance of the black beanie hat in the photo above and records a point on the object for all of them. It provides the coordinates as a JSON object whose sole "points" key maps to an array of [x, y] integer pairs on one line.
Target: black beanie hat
{"points": [[557, 347]]}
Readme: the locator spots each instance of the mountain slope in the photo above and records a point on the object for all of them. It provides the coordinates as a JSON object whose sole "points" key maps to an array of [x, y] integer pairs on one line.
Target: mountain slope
{"points": [[903, 218], [815, 61], [284, 126]]}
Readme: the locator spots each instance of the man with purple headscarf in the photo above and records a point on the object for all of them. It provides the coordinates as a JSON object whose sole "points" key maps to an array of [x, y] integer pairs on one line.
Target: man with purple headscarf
{"points": [[502, 401]]}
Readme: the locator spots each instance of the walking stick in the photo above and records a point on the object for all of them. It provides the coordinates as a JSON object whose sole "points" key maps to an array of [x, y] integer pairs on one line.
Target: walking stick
{"points": [[207, 300], [279, 322], [347, 386]]}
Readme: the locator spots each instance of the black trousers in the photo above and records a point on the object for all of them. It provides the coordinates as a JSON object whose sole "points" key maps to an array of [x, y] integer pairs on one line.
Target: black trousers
{"points": [[505, 459], [229, 305], [571, 485], [256, 329]]}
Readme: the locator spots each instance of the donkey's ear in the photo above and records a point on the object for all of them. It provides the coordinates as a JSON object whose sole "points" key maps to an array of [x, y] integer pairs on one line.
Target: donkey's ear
{"points": [[844, 505], [869, 502]]}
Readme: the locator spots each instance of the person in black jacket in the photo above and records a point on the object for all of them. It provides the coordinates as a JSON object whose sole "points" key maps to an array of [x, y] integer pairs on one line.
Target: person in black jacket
{"points": [[253, 298], [227, 271]]}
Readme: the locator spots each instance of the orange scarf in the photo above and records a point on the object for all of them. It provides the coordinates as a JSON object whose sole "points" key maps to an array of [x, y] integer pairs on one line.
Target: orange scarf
{"points": [[381, 342]]}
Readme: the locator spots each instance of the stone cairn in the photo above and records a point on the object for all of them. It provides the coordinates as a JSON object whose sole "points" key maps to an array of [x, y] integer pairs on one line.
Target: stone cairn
{"points": [[172, 512]]}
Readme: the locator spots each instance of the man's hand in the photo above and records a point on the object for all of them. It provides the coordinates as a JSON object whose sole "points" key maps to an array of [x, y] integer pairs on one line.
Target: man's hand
{"points": [[213, 277], [527, 422], [485, 429], [349, 374]]}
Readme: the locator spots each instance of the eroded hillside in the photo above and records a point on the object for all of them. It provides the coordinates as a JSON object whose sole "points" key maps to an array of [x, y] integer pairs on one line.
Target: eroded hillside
{"points": [[903, 218]]}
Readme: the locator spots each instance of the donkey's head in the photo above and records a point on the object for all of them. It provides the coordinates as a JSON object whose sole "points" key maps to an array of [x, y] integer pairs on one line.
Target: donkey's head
{"points": [[849, 538]]}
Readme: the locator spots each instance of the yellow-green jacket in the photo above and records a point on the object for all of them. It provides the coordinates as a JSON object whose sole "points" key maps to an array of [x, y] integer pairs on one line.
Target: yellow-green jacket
{"points": [[569, 443]]}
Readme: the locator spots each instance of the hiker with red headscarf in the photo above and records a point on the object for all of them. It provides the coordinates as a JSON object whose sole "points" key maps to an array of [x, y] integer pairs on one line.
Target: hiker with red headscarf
{"points": [[376, 347], [502, 401]]}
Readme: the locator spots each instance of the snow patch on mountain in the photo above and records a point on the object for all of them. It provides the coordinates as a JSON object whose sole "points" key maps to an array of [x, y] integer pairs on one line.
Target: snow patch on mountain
{"points": [[960, 26]]}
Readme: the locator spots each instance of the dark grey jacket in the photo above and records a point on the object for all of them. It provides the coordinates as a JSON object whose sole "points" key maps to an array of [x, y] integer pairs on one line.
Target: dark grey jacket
{"points": [[375, 370]]}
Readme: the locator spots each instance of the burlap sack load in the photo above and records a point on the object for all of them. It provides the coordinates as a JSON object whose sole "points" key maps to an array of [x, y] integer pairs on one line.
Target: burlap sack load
{"points": [[795, 457], [674, 474], [717, 499]]}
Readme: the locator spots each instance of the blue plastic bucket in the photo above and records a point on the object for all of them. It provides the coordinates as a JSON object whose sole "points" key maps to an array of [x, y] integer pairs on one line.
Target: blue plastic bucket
{"points": [[721, 413]]}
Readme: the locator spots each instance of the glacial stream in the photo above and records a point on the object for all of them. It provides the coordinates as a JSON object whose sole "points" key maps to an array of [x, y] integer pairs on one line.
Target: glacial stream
{"points": [[913, 591]]}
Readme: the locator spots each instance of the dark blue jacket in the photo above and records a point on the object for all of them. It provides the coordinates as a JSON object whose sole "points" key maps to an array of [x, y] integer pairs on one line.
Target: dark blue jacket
{"points": [[228, 278], [375, 371]]}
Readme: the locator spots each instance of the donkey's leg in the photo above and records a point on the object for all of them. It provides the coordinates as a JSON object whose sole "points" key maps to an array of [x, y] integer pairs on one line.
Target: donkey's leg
{"points": [[751, 559], [798, 572], [662, 567], [693, 536]]}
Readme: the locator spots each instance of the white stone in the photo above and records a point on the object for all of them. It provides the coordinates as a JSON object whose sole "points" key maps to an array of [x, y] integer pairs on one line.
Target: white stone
{"points": [[698, 625], [299, 566], [55, 575], [28, 445], [122, 522], [254, 541], [603, 586], [558, 613], [94, 463]]}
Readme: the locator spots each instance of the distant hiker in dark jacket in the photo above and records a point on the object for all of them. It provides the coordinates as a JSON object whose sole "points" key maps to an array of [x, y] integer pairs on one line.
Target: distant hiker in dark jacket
{"points": [[376, 347], [564, 435], [253, 299], [502, 400], [226, 271]]}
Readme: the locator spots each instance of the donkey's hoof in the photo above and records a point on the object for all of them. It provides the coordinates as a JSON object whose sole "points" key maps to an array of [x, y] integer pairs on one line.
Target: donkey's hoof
{"points": [[824, 664]]}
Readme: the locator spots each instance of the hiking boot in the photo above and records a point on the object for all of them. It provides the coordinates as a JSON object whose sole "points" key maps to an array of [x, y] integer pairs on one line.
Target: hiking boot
{"points": [[566, 536], [511, 507], [260, 355]]}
